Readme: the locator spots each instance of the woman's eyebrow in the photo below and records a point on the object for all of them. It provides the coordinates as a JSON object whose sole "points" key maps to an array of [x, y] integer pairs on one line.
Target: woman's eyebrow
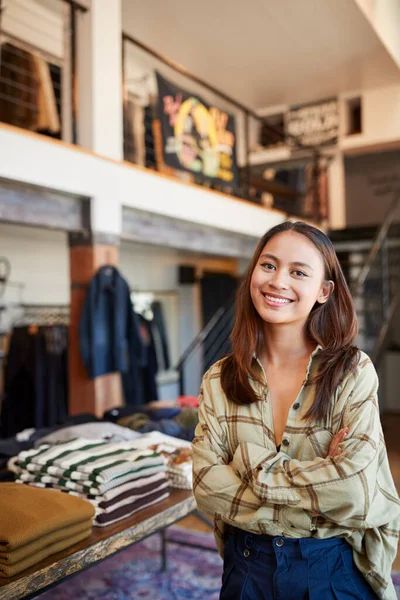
{"points": [[276, 259], [301, 264]]}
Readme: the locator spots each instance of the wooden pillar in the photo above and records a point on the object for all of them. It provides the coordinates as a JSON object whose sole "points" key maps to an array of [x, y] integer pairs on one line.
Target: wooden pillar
{"points": [[88, 252]]}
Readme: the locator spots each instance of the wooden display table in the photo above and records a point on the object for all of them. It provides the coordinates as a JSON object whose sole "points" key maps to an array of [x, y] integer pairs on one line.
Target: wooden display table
{"points": [[104, 542]]}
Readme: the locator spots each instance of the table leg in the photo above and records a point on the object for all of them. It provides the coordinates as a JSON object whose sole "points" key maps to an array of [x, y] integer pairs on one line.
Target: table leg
{"points": [[163, 550]]}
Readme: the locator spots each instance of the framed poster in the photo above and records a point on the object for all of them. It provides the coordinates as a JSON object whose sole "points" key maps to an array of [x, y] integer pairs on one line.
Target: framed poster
{"points": [[314, 124], [197, 137]]}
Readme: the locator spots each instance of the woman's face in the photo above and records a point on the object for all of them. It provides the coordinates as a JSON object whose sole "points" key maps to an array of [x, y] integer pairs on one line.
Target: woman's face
{"points": [[288, 279]]}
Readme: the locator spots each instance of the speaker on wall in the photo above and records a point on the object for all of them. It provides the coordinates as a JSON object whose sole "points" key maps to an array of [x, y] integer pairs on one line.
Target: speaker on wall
{"points": [[187, 275]]}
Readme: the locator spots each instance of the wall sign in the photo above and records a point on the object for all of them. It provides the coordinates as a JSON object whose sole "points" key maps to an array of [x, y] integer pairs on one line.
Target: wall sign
{"points": [[314, 124], [197, 137]]}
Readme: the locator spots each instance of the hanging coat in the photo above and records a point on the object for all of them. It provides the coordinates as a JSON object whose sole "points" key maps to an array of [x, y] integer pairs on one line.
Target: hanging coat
{"points": [[109, 334]]}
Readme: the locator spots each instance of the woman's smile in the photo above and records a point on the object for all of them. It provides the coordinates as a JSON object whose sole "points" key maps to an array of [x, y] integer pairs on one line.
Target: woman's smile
{"points": [[276, 301]]}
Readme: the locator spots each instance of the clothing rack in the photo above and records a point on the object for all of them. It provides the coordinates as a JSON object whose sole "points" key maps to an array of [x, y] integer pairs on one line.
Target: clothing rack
{"points": [[43, 314], [36, 375]]}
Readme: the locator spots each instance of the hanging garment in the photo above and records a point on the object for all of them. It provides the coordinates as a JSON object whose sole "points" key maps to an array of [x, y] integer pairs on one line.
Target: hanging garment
{"points": [[139, 384], [129, 140], [139, 133], [150, 370], [160, 337], [27, 94], [134, 132], [48, 118], [109, 335], [19, 88], [36, 379]]}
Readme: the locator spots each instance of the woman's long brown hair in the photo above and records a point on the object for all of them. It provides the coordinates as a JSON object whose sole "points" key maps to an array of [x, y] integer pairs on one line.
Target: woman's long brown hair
{"points": [[333, 325]]}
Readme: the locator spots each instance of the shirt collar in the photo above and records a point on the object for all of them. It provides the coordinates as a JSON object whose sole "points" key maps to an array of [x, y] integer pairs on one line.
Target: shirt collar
{"points": [[314, 352], [107, 277], [312, 356]]}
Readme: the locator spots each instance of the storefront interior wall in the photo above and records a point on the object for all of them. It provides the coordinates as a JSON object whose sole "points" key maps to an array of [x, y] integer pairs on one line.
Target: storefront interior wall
{"points": [[372, 180], [39, 260], [39, 265], [154, 269]]}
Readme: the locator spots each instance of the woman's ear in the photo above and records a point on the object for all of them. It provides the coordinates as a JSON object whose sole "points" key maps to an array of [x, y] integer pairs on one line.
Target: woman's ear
{"points": [[326, 292]]}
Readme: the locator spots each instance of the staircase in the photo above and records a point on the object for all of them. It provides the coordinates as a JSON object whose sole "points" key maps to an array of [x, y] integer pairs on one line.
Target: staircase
{"points": [[211, 344], [370, 258]]}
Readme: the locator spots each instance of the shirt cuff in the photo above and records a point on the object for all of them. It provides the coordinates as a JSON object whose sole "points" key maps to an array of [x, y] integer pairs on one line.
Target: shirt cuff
{"points": [[251, 463]]}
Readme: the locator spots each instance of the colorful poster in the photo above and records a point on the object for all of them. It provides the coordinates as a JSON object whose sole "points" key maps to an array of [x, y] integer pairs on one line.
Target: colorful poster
{"points": [[197, 137]]}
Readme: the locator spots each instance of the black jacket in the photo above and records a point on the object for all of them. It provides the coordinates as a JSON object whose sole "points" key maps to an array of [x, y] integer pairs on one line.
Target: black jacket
{"points": [[109, 335]]}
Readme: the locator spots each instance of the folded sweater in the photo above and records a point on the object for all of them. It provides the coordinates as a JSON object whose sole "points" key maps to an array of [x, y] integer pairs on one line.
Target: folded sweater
{"points": [[86, 487], [28, 513], [84, 460], [10, 570], [127, 511], [16, 556]]}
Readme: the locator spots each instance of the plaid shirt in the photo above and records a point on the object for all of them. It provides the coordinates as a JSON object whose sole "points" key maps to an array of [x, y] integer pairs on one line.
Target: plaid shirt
{"points": [[241, 479]]}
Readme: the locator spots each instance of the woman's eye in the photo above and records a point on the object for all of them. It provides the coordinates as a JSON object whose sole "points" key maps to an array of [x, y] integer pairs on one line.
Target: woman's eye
{"points": [[268, 266], [300, 274]]}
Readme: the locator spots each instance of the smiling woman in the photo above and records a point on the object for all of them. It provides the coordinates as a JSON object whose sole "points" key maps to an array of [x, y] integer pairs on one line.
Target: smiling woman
{"points": [[280, 280], [289, 455]]}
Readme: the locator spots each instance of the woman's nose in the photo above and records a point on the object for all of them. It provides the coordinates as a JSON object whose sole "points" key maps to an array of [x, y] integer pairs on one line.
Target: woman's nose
{"points": [[279, 281]]}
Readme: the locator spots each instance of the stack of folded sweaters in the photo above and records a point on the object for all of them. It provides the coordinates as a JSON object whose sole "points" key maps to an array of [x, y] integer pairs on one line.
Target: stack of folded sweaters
{"points": [[117, 479], [36, 523], [177, 454]]}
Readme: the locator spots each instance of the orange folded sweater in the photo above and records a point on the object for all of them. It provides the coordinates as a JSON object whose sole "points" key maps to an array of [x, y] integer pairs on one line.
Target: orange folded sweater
{"points": [[50, 539], [12, 569], [28, 513]]}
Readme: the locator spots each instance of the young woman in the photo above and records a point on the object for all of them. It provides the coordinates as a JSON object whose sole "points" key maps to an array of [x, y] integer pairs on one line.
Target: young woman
{"points": [[289, 455]]}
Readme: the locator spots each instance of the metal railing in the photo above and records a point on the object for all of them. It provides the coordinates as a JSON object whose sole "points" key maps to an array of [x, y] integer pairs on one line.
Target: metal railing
{"points": [[376, 288], [38, 66], [297, 194], [211, 344]]}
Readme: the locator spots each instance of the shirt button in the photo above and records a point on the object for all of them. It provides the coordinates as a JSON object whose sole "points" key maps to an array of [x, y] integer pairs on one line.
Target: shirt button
{"points": [[285, 442], [279, 542], [246, 553], [296, 406]]}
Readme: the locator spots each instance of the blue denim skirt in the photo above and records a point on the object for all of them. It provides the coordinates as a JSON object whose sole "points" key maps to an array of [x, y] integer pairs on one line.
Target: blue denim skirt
{"points": [[262, 567]]}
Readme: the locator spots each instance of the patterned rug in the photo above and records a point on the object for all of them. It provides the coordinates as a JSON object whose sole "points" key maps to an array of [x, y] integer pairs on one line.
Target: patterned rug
{"points": [[135, 573], [396, 581]]}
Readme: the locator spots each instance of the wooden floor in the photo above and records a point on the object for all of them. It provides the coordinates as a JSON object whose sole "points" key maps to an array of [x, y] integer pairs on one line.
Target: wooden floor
{"points": [[391, 426]]}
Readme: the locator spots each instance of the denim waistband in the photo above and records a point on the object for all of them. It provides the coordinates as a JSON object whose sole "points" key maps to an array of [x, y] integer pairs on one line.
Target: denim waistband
{"points": [[294, 546]]}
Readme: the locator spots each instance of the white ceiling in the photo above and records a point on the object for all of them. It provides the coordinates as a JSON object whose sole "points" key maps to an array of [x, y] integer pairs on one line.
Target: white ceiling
{"points": [[266, 52]]}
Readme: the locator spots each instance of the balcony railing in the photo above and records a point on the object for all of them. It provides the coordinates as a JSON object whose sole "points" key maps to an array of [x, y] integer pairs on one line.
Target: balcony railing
{"points": [[212, 133], [38, 67], [165, 130]]}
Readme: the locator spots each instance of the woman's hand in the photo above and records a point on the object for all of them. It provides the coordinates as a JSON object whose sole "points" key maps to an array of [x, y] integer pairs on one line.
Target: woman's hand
{"points": [[334, 449], [337, 439]]}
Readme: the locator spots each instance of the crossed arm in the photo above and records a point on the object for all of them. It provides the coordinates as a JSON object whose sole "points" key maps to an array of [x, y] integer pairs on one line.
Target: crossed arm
{"points": [[340, 487]]}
